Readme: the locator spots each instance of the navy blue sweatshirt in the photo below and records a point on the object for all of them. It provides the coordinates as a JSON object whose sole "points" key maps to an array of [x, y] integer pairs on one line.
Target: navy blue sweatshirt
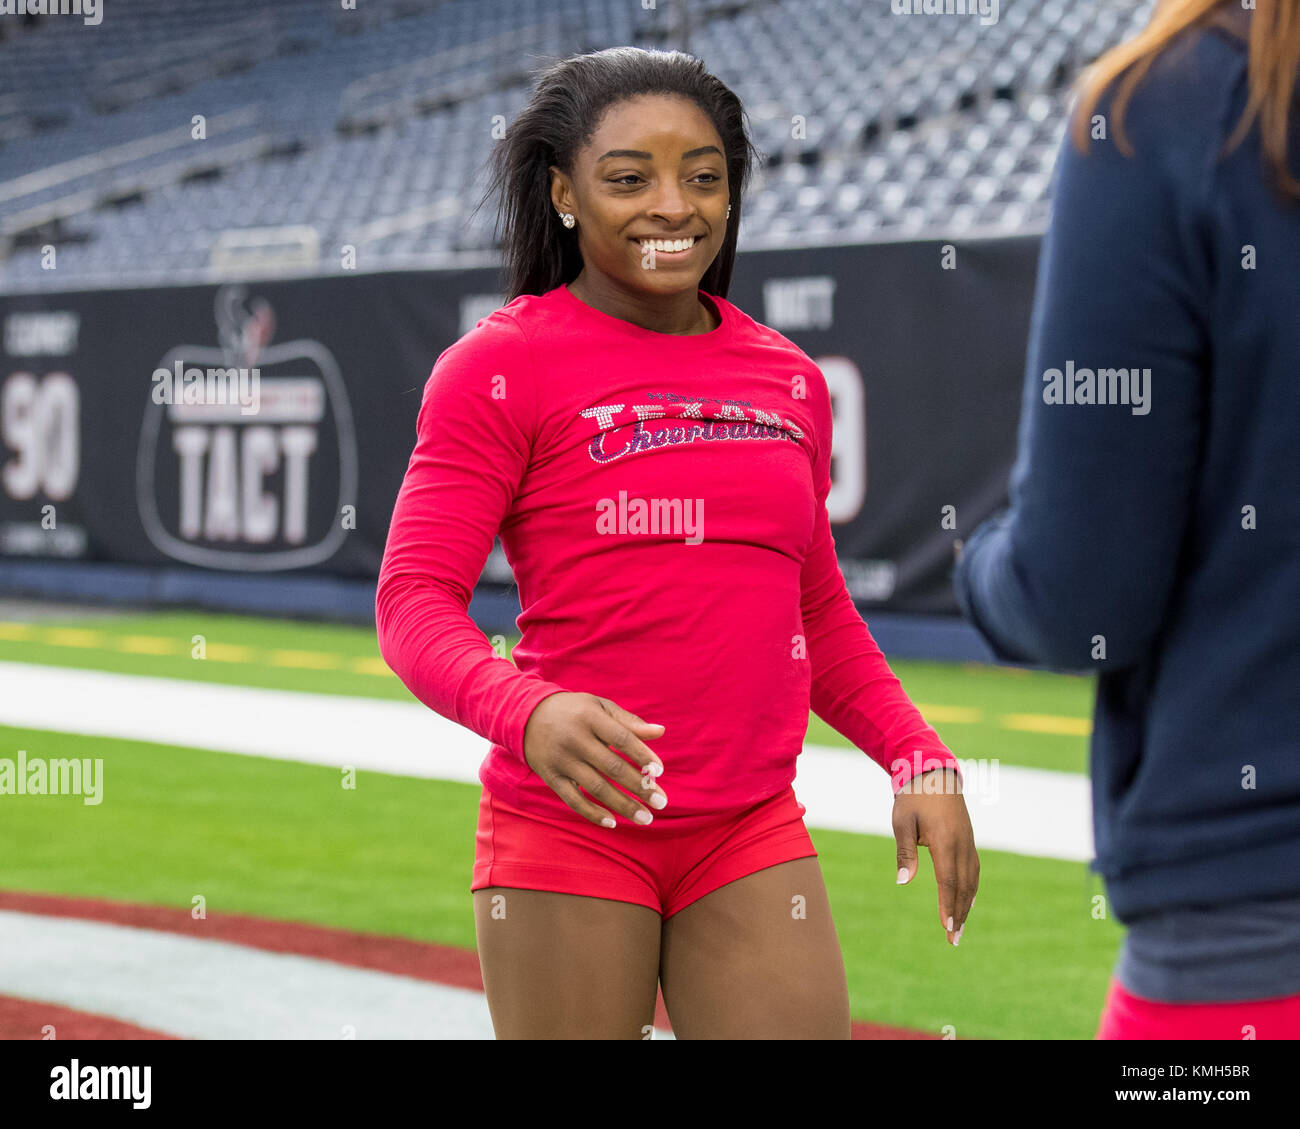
{"points": [[1157, 541]]}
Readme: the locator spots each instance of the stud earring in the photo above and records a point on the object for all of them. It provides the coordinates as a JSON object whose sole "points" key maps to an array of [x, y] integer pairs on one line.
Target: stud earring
{"points": [[566, 219], [728, 211]]}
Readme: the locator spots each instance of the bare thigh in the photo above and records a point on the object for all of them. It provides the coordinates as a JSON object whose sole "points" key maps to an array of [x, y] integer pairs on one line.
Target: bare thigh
{"points": [[757, 958], [560, 966]]}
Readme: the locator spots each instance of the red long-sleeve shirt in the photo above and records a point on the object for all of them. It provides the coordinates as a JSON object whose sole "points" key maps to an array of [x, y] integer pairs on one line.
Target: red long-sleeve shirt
{"points": [[661, 499]]}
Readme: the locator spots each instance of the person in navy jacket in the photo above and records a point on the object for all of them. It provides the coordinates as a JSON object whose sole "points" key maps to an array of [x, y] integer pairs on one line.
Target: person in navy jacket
{"points": [[1153, 531]]}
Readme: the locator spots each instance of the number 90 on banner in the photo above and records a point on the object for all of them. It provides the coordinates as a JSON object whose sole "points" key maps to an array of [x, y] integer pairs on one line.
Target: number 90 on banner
{"points": [[40, 430]]}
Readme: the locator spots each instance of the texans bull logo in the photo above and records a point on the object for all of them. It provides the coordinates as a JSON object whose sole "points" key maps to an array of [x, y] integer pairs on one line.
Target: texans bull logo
{"points": [[229, 481]]}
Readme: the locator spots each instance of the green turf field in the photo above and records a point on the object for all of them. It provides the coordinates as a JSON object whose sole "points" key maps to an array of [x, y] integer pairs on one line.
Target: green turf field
{"points": [[281, 839]]}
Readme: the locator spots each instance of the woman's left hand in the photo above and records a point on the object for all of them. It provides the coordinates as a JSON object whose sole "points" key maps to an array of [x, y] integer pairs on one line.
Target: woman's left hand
{"points": [[929, 810]]}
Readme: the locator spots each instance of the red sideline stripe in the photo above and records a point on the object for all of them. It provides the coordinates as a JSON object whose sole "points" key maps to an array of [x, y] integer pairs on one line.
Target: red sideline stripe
{"points": [[28, 1019], [399, 956]]}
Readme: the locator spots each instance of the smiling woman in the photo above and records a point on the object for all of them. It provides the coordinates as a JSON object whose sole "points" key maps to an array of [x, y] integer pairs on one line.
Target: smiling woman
{"points": [[619, 370], [647, 155], [673, 201]]}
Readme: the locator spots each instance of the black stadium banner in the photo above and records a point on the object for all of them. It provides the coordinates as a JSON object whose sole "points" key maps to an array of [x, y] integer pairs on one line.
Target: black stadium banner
{"points": [[294, 468]]}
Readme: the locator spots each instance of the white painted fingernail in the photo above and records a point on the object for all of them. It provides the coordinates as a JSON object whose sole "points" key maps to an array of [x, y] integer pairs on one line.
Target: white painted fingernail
{"points": [[658, 800], [902, 876], [608, 821], [643, 816], [950, 925]]}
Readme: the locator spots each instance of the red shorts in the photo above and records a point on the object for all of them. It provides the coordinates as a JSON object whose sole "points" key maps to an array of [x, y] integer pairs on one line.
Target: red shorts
{"points": [[1127, 1016], [659, 866]]}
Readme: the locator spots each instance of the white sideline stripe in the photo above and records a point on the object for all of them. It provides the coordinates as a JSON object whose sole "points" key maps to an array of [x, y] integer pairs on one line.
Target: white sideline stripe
{"points": [[220, 990], [217, 990], [1026, 811]]}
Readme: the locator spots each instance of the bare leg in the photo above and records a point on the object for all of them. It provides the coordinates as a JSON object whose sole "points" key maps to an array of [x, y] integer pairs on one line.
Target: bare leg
{"points": [[757, 959], [560, 966]]}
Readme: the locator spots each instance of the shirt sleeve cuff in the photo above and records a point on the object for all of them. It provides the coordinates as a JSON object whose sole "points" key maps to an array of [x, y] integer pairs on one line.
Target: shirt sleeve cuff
{"points": [[512, 740], [907, 765]]}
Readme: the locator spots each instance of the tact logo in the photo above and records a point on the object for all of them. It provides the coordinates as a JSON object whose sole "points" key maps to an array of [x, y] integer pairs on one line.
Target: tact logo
{"points": [[248, 452]]}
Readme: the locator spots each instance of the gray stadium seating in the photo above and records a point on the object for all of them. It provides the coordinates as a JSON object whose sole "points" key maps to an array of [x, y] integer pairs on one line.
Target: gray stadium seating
{"points": [[372, 128]]}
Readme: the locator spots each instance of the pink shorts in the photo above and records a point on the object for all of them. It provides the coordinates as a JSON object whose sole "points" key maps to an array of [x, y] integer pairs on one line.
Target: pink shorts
{"points": [[659, 866], [1126, 1016]]}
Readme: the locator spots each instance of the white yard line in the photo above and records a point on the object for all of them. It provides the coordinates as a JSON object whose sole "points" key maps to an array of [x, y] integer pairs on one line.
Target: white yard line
{"points": [[217, 990], [1023, 810], [200, 989]]}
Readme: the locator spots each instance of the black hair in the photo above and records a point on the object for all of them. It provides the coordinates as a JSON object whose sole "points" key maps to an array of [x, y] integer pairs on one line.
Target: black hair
{"points": [[570, 98]]}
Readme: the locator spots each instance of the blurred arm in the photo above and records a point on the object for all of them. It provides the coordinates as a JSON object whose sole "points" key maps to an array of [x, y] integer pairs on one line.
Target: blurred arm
{"points": [[1100, 496]]}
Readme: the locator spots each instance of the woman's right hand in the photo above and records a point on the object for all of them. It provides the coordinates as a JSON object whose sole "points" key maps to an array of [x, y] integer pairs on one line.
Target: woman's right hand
{"points": [[566, 742]]}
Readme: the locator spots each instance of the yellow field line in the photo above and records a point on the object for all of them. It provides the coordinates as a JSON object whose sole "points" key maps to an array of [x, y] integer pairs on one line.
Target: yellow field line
{"points": [[73, 637], [1047, 723], [307, 660], [229, 653], [370, 666], [149, 645]]}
